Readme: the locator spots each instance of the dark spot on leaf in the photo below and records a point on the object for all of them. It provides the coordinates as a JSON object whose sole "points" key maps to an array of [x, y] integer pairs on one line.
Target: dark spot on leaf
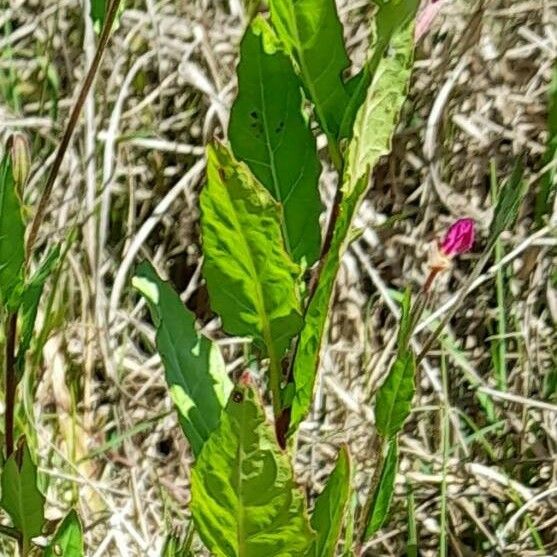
{"points": [[237, 396], [253, 114]]}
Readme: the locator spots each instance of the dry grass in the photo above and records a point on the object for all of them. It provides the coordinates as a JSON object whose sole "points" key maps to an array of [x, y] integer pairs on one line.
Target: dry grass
{"points": [[128, 190]]}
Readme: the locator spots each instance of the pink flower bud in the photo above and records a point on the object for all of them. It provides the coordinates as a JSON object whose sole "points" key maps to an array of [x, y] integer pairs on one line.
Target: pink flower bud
{"points": [[459, 238]]}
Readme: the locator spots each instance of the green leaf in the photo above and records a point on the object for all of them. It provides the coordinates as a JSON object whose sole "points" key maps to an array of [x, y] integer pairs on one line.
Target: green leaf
{"points": [[394, 398], [30, 299], [12, 231], [378, 115], [405, 325], [270, 134], [510, 198], [250, 277], [389, 18], [21, 498], [243, 498], [375, 125], [99, 9], [384, 491], [330, 508], [98, 12], [68, 540], [194, 368], [312, 34]]}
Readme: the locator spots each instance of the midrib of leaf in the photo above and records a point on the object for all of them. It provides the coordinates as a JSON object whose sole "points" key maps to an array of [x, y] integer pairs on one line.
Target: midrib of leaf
{"points": [[271, 152]]}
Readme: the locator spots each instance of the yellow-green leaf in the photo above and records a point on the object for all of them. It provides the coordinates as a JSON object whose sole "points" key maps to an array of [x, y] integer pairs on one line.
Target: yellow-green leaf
{"points": [[250, 277], [244, 499]]}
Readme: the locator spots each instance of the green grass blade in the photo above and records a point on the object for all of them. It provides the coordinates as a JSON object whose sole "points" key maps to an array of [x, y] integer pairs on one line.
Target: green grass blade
{"points": [[269, 133], [194, 368], [244, 500], [508, 203], [394, 398]]}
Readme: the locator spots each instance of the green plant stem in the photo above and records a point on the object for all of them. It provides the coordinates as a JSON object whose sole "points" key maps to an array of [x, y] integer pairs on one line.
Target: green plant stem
{"points": [[70, 127], [10, 382]]}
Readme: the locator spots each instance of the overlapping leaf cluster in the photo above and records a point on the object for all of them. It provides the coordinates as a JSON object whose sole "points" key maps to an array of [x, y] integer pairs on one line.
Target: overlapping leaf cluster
{"points": [[262, 242]]}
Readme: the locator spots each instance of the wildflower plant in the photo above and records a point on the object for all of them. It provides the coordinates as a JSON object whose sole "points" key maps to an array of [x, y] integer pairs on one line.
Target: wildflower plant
{"points": [[271, 274], [270, 271]]}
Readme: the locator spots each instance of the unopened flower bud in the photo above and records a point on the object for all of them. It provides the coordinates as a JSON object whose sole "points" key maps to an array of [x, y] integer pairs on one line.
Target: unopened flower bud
{"points": [[18, 147], [459, 238]]}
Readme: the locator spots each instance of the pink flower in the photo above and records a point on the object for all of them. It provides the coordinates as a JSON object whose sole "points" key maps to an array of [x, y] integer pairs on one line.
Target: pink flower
{"points": [[459, 238]]}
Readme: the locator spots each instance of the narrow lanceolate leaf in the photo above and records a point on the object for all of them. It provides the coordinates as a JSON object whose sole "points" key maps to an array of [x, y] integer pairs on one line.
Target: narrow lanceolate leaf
{"points": [[330, 508], [12, 230], [374, 127], [312, 34], [194, 368], [68, 539], [270, 134], [390, 17], [30, 299], [21, 498], [510, 198], [250, 277], [379, 114], [394, 398], [384, 491], [243, 498]]}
